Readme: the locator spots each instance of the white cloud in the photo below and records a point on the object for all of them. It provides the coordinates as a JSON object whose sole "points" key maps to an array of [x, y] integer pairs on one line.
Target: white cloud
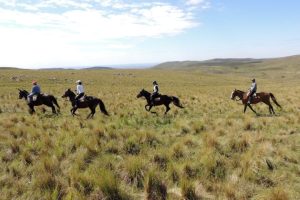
{"points": [[203, 4], [47, 30]]}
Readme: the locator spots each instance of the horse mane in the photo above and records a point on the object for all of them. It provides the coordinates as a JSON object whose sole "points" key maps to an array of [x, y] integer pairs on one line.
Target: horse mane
{"points": [[25, 91], [240, 91], [146, 91]]}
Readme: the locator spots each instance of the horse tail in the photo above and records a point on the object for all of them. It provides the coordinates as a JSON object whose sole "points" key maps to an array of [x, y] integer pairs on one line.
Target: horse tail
{"points": [[275, 101], [53, 99], [176, 102], [102, 107]]}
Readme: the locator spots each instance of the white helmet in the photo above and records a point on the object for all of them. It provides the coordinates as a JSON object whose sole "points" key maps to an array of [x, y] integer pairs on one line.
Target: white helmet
{"points": [[78, 81]]}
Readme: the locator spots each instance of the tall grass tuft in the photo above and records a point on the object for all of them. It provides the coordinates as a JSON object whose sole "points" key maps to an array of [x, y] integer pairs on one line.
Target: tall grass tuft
{"points": [[188, 191], [155, 188]]}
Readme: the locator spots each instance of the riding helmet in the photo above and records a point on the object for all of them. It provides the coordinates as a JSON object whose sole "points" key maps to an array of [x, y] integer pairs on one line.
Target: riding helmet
{"points": [[78, 81], [154, 82], [253, 80]]}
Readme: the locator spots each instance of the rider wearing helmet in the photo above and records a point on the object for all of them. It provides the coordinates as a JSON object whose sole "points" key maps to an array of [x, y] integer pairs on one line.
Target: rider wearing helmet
{"points": [[36, 90], [252, 89], [155, 92], [79, 91]]}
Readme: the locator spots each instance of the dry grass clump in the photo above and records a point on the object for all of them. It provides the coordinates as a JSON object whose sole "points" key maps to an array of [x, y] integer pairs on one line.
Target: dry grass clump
{"points": [[135, 171], [155, 188], [188, 191]]}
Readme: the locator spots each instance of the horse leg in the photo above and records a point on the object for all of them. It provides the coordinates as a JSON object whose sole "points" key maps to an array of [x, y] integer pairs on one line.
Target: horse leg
{"points": [[252, 109], [167, 109], [93, 112], [90, 115], [53, 109], [31, 108], [272, 109], [245, 108], [73, 110], [149, 107]]}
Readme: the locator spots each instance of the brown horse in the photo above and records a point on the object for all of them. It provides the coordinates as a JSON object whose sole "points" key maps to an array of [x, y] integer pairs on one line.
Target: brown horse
{"points": [[161, 100], [259, 97]]}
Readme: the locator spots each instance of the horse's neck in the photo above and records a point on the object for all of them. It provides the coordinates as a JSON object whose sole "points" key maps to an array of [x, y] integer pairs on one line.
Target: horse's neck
{"points": [[72, 97], [147, 95], [25, 94], [241, 94]]}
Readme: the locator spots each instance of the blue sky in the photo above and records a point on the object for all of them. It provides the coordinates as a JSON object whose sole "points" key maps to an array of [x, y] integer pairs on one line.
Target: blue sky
{"points": [[68, 33]]}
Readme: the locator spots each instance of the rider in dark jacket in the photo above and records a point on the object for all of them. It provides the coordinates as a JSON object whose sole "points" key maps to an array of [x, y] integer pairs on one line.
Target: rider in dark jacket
{"points": [[36, 90]]}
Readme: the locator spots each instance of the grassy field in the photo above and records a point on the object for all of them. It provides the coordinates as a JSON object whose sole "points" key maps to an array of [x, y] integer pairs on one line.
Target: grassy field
{"points": [[208, 150]]}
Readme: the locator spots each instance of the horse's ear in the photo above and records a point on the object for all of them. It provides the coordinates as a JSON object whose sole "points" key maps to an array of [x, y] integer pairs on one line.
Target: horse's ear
{"points": [[18, 89]]}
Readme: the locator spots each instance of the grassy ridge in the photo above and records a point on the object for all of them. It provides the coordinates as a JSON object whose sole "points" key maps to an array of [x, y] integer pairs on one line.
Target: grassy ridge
{"points": [[209, 150]]}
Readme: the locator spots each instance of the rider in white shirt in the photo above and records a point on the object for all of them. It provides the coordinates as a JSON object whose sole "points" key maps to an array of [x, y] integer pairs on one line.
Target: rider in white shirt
{"points": [[79, 90], [253, 89]]}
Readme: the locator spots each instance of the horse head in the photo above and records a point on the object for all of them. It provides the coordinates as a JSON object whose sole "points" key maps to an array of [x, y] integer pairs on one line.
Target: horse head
{"points": [[22, 94], [142, 93], [233, 94], [236, 93], [68, 93]]}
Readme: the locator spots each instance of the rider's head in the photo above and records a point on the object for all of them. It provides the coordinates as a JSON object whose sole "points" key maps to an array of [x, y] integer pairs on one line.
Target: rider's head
{"points": [[253, 80], [34, 82], [154, 83], [79, 82]]}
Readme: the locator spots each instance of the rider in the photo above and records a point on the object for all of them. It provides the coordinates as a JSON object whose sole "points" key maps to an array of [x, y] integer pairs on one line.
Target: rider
{"points": [[36, 90], [253, 89], [155, 92], [79, 90]]}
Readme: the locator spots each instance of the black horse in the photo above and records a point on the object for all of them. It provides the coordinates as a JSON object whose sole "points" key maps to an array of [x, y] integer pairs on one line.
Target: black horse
{"points": [[161, 100], [89, 102], [42, 99]]}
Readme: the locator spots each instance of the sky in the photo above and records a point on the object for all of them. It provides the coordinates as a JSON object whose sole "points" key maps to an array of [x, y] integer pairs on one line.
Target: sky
{"points": [[73, 33]]}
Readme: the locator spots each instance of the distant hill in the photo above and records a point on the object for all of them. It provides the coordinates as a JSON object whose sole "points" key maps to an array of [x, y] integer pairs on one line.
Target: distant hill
{"points": [[291, 61], [97, 68], [9, 68]]}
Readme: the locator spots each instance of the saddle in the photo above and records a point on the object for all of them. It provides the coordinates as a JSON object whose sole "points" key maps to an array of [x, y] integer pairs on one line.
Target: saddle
{"points": [[157, 98], [85, 98], [33, 98], [82, 99], [254, 94]]}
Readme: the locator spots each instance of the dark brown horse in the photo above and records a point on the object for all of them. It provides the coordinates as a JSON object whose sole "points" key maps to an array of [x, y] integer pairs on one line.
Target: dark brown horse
{"points": [[89, 102], [42, 99], [161, 100], [259, 97]]}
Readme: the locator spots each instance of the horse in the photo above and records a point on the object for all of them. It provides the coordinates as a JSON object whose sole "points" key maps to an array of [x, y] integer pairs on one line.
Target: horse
{"points": [[259, 97], [42, 99], [161, 100], [89, 102]]}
